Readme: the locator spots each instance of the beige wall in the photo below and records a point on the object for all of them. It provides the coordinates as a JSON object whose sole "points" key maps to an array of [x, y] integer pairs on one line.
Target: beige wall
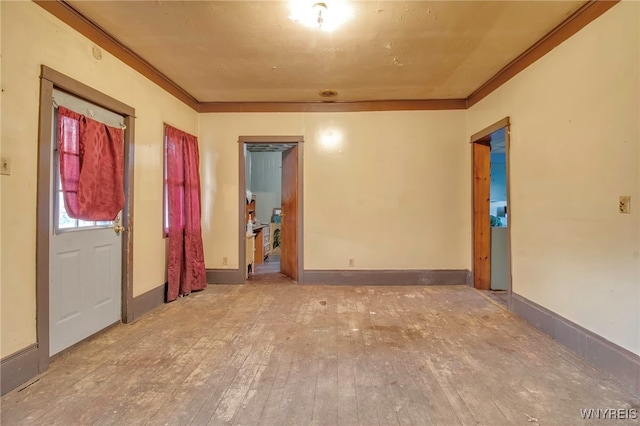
{"points": [[388, 189], [31, 37], [575, 143]]}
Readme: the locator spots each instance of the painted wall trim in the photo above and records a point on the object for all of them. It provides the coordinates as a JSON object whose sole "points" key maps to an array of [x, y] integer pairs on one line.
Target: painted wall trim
{"points": [[76, 20], [43, 212], [79, 89], [574, 23], [615, 360], [18, 368], [387, 276], [356, 106], [148, 301], [223, 276], [271, 139], [476, 137], [128, 218]]}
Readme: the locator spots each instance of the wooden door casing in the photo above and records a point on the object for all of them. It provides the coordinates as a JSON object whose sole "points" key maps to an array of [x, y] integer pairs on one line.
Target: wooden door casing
{"points": [[289, 229]]}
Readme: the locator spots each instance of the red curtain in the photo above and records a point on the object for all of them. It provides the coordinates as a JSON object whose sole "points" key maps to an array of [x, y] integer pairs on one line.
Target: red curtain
{"points": [[91, 166], [186, 272]]}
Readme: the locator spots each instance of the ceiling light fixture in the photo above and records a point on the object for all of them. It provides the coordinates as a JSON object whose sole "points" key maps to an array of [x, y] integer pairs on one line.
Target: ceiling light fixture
{"points": [[326, 15], [318, 8]]}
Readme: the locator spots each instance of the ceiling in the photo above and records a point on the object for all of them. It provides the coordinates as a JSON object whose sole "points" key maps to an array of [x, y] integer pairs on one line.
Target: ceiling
{"points": [[250, 51]]}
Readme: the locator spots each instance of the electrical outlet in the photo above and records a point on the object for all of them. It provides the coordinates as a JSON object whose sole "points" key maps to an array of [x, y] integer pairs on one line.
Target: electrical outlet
{"points": [[625, 204], [5, 166], [352, 263], [225, 261]]}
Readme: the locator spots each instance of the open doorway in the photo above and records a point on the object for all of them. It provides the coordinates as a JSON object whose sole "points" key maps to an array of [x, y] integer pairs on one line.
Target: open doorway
{"points": [[491, 230], [271, 217]]}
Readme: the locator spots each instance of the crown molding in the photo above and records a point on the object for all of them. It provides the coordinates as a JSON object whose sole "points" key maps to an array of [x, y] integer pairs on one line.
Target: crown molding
{"points": [[356, 106], [574, 23], [76, 20]]}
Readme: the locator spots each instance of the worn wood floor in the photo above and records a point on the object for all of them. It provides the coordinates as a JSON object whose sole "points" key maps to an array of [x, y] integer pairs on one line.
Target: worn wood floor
{"points": [[325, 355], [269, 273]]}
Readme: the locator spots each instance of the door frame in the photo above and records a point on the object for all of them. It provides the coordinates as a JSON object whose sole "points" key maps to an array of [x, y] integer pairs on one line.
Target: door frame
{"points": [[480, 137], [50, 79], [242, 195]]}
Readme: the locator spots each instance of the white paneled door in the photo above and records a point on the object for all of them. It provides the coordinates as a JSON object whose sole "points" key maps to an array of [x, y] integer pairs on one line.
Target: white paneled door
{"points": [[85, 257]]}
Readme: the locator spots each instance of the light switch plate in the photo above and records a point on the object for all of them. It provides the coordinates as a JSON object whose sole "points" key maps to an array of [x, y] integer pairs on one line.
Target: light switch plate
{"points": [[625, 204]]}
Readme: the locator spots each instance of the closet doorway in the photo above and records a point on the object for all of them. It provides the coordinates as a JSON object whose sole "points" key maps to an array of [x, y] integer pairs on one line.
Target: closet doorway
{"points": [[270, 235]]}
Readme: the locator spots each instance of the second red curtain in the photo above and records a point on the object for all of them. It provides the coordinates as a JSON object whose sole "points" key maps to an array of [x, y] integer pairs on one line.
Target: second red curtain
{"points": [[186, 271]]}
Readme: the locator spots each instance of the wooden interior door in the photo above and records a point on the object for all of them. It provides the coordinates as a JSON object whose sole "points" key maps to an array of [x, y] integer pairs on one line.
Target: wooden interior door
{"points": [[289, 227], [481, 220]]}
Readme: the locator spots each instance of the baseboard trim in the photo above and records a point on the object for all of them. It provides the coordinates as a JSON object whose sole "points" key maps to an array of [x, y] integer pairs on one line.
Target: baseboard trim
{"points": [[18, 368], [387, 277], [146, 302], [622, 364], [223, 276]]}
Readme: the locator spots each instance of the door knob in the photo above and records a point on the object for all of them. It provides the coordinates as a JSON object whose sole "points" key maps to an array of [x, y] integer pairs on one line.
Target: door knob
{"points": [[118, 229]]}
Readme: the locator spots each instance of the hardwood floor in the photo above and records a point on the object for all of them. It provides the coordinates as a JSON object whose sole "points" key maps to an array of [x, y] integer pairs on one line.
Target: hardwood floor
{"points": [[295, 354]]}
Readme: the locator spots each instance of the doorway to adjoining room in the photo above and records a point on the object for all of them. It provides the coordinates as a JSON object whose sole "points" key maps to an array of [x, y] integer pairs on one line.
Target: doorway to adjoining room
{"points": [[271, 214], [491, 236]]}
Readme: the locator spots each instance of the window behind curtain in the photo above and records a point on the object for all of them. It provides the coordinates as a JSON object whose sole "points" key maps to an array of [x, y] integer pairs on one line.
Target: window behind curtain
{"points": [[165, 194], [62, 221], [174, 159]]}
